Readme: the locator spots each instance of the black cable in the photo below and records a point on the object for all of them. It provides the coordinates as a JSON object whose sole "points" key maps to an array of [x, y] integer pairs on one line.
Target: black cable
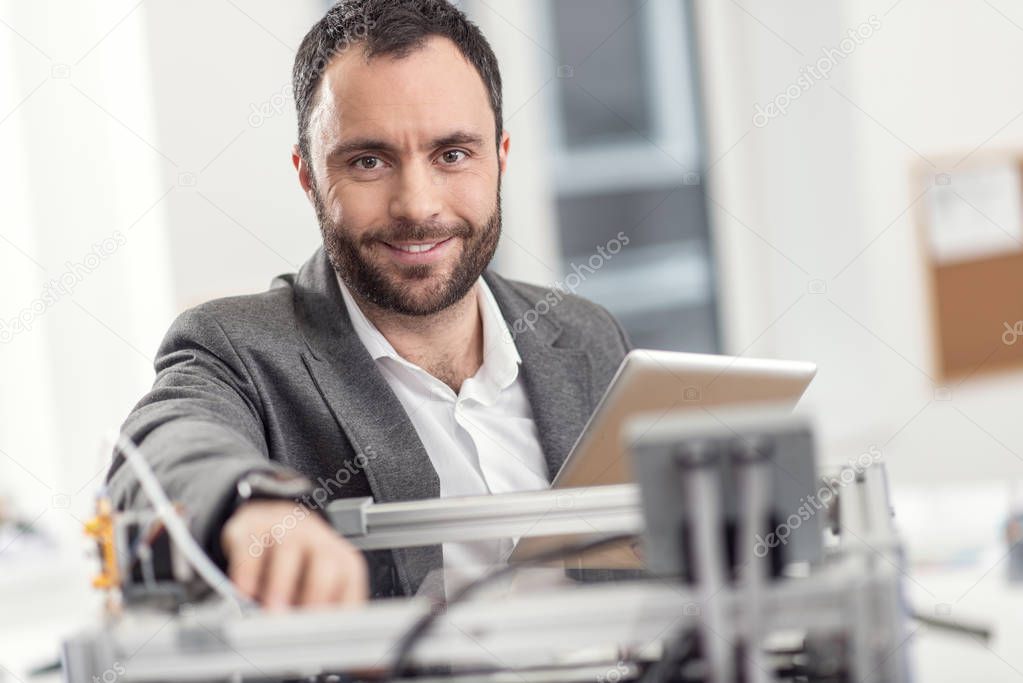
{"points": [[46, 669], [420, 628], [981, 632]]}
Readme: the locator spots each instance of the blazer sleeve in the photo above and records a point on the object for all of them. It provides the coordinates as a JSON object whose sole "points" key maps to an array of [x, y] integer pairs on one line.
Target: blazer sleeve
{"points": [[200, 428]]}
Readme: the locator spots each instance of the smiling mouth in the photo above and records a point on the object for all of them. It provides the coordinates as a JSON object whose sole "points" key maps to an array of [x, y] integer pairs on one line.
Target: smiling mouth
{"points": [[415, 248], [418, 247]]}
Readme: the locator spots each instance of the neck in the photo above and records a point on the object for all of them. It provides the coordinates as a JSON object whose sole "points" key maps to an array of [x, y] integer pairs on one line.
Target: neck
{"points": [[447, 344]]}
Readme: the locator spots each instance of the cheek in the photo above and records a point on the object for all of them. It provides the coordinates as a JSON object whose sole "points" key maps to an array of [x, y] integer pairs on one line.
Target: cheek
{"points": [[473, 195], [357, 205]]}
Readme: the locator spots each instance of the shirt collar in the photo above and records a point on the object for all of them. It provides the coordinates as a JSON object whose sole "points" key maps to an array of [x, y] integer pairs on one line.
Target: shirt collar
{"points": [[375, 342], [500, 356]]}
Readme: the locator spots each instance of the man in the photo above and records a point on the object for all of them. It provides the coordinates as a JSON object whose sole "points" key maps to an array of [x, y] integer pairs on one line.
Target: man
{"points": [[385, 367]]}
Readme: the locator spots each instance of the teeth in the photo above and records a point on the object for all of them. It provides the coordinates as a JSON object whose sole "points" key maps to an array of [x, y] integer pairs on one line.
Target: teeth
{"points": [[416, 248]]}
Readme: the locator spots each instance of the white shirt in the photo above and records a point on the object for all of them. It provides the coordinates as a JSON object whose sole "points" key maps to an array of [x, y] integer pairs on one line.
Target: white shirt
{"points": [[481, 440]]}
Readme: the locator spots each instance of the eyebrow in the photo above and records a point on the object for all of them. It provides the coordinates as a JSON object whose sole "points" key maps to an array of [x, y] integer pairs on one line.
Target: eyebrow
{"points": [[362, 144]]}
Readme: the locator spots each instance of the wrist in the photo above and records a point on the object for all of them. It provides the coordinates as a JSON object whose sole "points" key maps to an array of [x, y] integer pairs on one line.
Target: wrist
{"points": [[269, 486], [272, 485]]}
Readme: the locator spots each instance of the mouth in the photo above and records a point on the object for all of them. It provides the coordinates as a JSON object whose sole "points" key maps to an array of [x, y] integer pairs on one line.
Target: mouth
{"points": [[418, 252]]}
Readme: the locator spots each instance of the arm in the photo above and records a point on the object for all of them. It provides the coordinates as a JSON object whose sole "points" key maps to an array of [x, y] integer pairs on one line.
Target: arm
{"points": [[201, 429]]}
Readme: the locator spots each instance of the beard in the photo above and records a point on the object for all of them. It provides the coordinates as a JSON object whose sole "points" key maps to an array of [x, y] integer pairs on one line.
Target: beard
{"points": [[413, 289]]}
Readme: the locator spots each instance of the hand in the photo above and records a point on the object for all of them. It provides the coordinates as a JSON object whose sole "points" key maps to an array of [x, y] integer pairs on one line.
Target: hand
{"points": [[283, 554]]}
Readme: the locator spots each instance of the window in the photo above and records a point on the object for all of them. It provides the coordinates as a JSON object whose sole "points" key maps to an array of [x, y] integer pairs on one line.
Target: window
{"points": [[627, 156]]}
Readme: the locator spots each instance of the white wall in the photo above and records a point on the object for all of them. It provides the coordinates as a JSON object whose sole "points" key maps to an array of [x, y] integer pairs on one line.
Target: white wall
{"points": [[80, 189], [226, 116], [824, 193], [104, 107]]}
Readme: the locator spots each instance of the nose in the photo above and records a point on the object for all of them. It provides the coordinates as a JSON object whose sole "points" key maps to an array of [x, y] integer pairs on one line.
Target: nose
{"points": [[417, 197]]}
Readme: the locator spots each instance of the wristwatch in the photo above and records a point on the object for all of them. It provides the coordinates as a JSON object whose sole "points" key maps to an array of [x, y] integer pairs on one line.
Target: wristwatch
{"points": [[266, 485]]}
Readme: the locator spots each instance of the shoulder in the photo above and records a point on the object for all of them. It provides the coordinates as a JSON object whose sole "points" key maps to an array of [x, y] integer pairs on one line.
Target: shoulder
{"points": [[246, 320], [576, 320]]}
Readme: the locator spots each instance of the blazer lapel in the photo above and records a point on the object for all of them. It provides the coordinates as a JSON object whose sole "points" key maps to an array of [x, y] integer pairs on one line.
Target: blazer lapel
{"points": [[558, 380], [396, 463]]}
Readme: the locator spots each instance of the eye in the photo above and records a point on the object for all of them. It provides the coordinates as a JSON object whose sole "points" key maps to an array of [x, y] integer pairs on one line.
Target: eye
{"points": [[447, 156], [359, 163]]}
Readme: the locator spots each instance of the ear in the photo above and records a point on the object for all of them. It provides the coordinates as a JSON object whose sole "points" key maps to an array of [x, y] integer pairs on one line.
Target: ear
{"points": [[305, 173], [502, 151]]}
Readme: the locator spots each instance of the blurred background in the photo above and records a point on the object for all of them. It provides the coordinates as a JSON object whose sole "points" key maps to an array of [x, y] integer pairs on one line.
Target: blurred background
{"points": [[832, 181]]}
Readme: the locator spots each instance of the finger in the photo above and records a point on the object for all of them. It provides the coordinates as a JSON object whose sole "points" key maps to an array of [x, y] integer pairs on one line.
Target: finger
{"points": [[336, 595], [355, 589], [321, 583], [245, 571], [244, 568], [283, 574]]}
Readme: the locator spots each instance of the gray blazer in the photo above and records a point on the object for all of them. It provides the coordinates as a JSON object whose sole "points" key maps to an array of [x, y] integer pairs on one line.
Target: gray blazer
{"points": [[281, 380]]}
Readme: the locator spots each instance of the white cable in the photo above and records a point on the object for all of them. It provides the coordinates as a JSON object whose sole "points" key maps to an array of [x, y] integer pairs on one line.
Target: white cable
{"points": [[176, 527]]}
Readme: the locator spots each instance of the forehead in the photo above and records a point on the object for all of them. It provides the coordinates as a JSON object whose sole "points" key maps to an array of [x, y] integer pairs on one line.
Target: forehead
{"points": [[432, 89]]}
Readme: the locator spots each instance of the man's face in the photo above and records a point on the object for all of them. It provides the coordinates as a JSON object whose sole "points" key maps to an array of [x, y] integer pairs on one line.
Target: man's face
{"points": [[406, 176]]}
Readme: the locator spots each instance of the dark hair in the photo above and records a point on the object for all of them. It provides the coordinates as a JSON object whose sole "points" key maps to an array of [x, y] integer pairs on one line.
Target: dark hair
{"points": [[387, 27]]}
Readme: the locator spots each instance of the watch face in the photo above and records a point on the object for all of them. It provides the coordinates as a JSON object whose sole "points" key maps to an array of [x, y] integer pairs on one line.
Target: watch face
{"points": [[273, 485]]}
